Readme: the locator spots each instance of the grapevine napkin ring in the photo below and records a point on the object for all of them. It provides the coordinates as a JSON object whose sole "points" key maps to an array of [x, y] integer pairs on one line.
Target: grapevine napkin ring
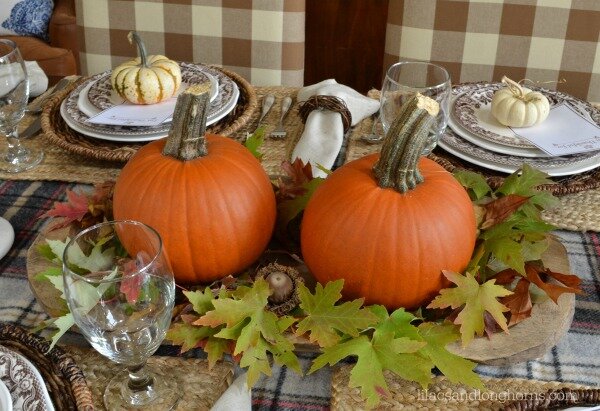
{"points": [[330, 103]]}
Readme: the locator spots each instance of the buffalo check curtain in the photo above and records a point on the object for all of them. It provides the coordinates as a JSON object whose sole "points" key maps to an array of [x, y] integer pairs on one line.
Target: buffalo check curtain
{"points": [[543, 40], [262, 40]]}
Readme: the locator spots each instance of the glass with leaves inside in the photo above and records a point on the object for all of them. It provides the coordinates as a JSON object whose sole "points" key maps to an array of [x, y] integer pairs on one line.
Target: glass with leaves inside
{"points": [[120, 290]]}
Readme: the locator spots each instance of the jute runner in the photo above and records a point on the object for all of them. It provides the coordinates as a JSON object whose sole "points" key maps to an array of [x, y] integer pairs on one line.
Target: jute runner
{"points": [[577, 212]]}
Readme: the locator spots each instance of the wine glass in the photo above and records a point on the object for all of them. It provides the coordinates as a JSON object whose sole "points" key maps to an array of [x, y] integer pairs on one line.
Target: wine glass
{"points": [[14, 92], [119, 286], [406, 78]]}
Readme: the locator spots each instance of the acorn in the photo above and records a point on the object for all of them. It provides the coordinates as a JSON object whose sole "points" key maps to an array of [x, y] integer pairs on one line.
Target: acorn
{"points": [[283, 281]]}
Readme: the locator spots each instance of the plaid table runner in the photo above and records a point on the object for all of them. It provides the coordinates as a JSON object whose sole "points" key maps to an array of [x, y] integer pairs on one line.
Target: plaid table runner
{"points": [[575, 359]]}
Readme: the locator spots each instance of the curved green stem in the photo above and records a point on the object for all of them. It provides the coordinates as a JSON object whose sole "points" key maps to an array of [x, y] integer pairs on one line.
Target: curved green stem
{"points": [[404, 143], [133, 36]]}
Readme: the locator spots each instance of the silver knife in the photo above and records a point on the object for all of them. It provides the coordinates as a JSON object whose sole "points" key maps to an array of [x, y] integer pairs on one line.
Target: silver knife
{"points": [[34, 127]]}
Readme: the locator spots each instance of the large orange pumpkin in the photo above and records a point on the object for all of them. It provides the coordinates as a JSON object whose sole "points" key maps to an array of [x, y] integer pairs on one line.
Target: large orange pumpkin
{"points": [[390, 246], [215, 211]]}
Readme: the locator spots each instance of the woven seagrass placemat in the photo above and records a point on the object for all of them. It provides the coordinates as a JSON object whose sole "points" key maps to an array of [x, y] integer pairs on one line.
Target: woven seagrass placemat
{"points": [[442, 394], [200, 387]]}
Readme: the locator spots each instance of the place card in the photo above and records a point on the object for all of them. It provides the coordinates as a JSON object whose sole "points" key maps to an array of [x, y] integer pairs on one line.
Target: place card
{"points": [[128, 114], [564, 132]]}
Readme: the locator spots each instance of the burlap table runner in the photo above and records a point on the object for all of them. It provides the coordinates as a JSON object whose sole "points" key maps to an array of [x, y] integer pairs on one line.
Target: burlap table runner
{"points": [[577, 212]]}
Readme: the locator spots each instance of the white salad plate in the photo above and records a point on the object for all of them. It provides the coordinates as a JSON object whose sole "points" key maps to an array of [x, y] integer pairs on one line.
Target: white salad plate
{"points": [[553, 166], [471, 110], [24, 382], [76, 109]]}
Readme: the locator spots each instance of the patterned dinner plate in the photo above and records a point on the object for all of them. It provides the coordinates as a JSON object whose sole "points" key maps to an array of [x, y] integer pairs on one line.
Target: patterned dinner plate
{"points": [[24, 382], [472, 111], [76, 109], [554, 166], [102, 96]]}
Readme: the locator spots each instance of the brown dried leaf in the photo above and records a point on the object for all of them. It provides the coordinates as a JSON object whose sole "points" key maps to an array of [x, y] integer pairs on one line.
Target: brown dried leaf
{"points": [[297, 174], [554, 291], [500, 209], [519, 302]]}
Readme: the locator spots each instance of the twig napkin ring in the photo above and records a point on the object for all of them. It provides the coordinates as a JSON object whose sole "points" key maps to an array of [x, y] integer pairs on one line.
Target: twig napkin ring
{"points": [[330, 103]]}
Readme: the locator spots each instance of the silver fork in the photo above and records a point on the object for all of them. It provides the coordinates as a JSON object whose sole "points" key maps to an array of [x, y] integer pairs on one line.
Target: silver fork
{"points": [[280, 132]]}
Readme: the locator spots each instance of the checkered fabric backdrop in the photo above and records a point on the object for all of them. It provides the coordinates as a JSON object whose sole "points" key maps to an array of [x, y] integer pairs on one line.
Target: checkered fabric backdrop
{"points": [[262, 40], [543, 40], [575, 359]]}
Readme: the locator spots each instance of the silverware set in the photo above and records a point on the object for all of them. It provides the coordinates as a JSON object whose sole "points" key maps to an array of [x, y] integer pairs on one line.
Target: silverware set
{"points": [[267, 104]]}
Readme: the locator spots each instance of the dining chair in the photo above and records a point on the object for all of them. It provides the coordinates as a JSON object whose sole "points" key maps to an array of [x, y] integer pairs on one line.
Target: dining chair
{"points": [[482, 40], [262, 40]]}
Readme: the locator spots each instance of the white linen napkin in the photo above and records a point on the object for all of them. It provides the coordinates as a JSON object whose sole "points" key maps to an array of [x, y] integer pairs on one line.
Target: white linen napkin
{"points": [[237, 397], [323, 133], [38, 81]]}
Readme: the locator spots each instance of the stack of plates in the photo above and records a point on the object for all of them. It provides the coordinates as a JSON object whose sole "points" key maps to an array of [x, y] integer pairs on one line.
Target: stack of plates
{"points": [[96, 94], [475, 136]]}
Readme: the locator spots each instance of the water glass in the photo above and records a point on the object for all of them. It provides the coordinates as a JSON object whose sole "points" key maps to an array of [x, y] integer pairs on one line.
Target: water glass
{"points": [[14, 92], [120, 289], [406, 78]]}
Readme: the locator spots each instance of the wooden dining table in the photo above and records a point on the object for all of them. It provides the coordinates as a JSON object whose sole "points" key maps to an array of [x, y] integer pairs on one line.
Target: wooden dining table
{"points": [[25, 197]]}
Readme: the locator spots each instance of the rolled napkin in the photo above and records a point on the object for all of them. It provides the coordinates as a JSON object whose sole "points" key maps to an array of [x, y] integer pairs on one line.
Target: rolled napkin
{"points": [[237, 397], [323, 133], [38, 81]]}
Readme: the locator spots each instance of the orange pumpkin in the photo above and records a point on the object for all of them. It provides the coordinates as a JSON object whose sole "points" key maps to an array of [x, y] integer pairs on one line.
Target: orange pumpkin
{"points": [[389, 246], [215, 211]]}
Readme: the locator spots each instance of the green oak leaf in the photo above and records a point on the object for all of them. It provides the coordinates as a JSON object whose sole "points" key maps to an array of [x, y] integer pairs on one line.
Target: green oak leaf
{"points": [[476, 299], [325, 320]]}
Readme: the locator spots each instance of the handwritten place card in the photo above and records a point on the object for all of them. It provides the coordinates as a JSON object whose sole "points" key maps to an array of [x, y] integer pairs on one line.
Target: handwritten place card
{"points": [[565, 131], [128, 114]]}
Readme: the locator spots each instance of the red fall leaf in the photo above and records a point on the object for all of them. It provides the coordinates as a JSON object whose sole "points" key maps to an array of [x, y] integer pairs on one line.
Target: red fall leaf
{"points": [[74, 209], [297, 174], [554, 291], [519, 302]]}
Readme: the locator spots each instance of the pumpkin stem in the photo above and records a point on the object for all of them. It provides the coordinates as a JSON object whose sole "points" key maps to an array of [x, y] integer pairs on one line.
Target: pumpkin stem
{"points": [[186, 137], [133, 36], [404, 142]]}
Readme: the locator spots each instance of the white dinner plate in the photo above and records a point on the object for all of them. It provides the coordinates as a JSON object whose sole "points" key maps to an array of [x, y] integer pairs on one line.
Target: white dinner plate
{"points": [[107, 136], [77, 119], [472, 111], [7, 236], [491, 145], [509, 164]]}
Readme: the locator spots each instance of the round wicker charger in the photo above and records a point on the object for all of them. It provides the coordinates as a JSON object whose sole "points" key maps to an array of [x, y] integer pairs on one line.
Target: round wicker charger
{"points": [[65, 381], [59, 133]]}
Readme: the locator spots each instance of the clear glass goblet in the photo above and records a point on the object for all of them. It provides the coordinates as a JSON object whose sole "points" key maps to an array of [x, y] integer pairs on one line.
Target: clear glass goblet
{"points": [[14, 92], [120, 289], [406, 78]]}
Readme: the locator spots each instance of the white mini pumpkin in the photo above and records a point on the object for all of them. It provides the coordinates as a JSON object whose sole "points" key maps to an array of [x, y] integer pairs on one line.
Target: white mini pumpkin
{"points": [[146, 79], [517, 106]]}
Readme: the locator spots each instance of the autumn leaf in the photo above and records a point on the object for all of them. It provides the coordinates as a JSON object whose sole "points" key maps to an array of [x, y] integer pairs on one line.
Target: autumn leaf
{"points": [[498, 210], [255, 141], [296, 176], [201, 301], [476, 299], [475, 183], [554, 291], [74, 209], [325, 320], [188, 336], [287, 210], [519, 302]]}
